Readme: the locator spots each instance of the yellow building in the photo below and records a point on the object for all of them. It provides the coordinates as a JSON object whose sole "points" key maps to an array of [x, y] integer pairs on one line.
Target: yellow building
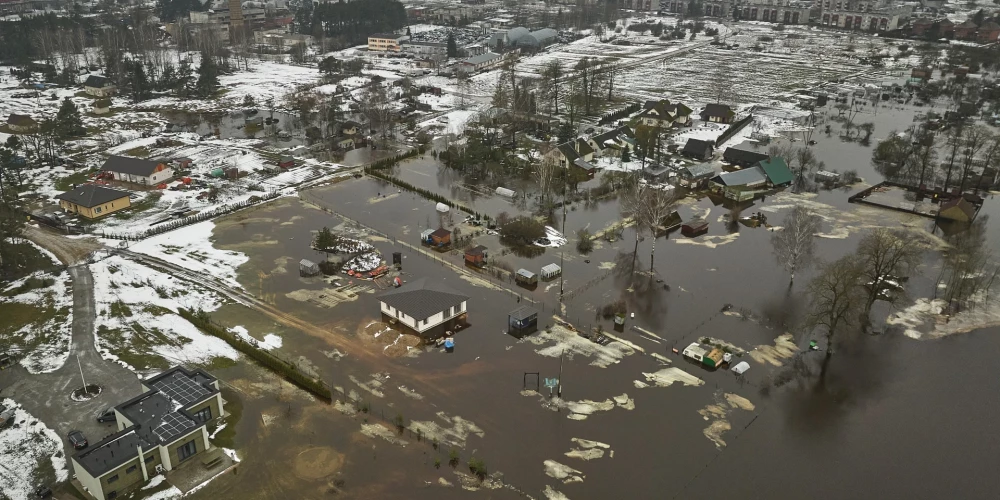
{"points": [[384, 42], [93, 201]]}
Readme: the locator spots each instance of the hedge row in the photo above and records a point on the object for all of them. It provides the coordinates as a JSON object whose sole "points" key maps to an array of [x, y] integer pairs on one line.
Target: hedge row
{"points": [[199, 217], [425, 193], [268, 360], [386, 163], [735, 127], [621, 113]]}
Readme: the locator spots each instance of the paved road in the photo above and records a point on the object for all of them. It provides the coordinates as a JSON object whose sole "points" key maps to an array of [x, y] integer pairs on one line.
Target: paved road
{"points": [[47, 395]]}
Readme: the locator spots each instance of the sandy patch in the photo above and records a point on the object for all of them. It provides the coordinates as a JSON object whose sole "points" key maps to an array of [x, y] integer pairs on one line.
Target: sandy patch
{"points": [[381, 431], [718, 412], [715, 431], [713, 241], [552, 494], [281, 265], [374, 386], [737, 401], [316, 463], [410, 393], [566, 340], [782, 349], [606, 265], [586, 449], [580, 410]]}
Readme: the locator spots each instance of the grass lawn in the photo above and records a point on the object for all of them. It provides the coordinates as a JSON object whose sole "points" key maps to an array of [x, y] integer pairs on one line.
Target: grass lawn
{"points": [[226, 438], [28, 260], [66, 183], [139, 152], [145, 204]]}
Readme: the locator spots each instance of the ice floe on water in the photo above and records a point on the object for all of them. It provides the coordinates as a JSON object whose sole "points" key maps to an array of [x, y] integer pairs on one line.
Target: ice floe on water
{"points": [[553, 494], [564, 473], [667, 377], [24, 446], [373, 386], [570, 343], [718, 412], [553, 238], [711, 241], [454, 430], [586, 449], [775, 355], [381, 431], [924, 319], [580, 410]]}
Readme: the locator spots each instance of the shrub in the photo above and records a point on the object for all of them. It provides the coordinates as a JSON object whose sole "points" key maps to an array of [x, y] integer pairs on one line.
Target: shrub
{"points": [[608, 311], [453, 457], [521, 231], [477, 467], [584, 242]]}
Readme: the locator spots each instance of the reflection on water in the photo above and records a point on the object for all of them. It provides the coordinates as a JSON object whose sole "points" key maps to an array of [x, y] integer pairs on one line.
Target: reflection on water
{"points": [[277, 128]]}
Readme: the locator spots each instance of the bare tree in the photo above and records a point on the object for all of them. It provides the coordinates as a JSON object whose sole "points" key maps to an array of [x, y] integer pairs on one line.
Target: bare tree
{"points": [[969, 270], [884, 255], [630, 201], [551, 84], [990, 159], [835, 299], [795, 243], [544, 174], [654, 206], [974, 139], [378, 108]]}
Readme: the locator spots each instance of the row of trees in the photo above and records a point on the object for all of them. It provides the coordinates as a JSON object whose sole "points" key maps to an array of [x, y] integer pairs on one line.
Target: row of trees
{"points": [[958, 157], [350, 23], [582, 89]]}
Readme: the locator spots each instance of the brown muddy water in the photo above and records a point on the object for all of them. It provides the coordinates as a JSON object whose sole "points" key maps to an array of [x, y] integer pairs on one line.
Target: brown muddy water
{"points": [[898, 418]]}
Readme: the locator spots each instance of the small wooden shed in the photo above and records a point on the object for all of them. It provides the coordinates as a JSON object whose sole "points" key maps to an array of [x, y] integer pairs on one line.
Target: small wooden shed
{"points": [[308, 268], [441, 237], [476, 256], [525, 277], [522, 321]]}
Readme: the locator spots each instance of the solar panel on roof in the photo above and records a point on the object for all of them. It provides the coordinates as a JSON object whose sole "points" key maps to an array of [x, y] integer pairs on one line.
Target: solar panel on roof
{"points": [[182, 389], [172, 425]]}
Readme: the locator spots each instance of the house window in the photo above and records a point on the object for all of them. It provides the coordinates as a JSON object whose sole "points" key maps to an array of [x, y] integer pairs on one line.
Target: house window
{"points": [[203, 415], [130, 470], [187, 450], [150, 458], [112, 478], [98, 209]]}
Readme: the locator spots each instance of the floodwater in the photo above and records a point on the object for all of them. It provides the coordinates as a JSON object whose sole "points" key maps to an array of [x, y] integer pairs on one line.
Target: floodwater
{"points": [[898, 418], [287, 131]]}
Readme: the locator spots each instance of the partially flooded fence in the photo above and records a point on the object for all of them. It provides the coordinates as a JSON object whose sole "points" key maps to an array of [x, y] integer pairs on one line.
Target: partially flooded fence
{"points": [[187, 221], [286, 369]]}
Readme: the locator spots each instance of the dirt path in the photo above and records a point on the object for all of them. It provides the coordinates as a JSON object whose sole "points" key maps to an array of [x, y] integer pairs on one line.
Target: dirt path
{"points": [[69, 251]]}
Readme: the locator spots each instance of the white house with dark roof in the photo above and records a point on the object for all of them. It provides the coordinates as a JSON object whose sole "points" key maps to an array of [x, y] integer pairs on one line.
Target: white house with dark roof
{"points": [[137, 170], [158, 431], [99, 86], [426, 308]]}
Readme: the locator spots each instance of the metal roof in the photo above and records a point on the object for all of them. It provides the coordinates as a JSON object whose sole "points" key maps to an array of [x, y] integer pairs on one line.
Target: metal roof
{"points": [[551, 268], [422, 298], [777, 171], [700, 170], [92, 195], [523, 312], [482, 58], [129, 165], [747, 176]]}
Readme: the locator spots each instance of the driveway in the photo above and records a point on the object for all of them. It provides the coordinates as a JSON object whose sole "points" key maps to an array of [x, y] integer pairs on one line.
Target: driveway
{"points": [[47, 395]]}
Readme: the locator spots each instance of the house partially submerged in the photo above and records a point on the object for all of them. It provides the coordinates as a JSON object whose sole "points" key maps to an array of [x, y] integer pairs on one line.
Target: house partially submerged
{"points": [[522, 321], [957, 209], [426, 308], [164, 427], [698, 149], [137, 170], [21, 123], [743, 155], [696, 176], [777, 172], [568, 152], [308, 268], [99, 86], [440, 237], [476, 255], [663, 114], [525, 277], [717, 113], [551, 271], [739, 185], [92, 201]]}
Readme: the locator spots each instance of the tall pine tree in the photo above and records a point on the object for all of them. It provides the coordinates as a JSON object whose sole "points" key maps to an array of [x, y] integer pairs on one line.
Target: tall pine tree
{"points": [[139, 82], [208, 76], [68, 121], [452, 46]]}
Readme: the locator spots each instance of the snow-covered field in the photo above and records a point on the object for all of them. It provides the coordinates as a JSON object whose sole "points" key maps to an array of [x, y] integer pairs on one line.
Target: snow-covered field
{"points": [[136, 318], [45, 340], [190, 247], [23, 446]]}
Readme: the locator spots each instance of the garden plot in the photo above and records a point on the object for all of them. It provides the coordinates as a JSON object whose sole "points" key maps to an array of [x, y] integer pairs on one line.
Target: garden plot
{"points": [[31, 455], [137, 324], [38, 310]]}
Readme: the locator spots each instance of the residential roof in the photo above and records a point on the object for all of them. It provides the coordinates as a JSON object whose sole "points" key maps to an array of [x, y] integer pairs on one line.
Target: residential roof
{"points": [[476, 250], [583, 148], [441, 232], [615, 134], [109, 454], [777, 171], [752, 175], [959, 204], [523, 312], [698, 148], [700, 170], [584, 164], [742, 154], [129, 165], [97, 81], [422, 298], [720, 110], [481, 58], [990, 25], [21, 120], [386, 35], [92, 195], [551, 268], [102, 103], [306, 263], [568, 151]]}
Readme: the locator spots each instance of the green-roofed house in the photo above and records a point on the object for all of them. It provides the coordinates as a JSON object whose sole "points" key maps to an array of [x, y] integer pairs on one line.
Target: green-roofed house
{"points": [[777, 172]]}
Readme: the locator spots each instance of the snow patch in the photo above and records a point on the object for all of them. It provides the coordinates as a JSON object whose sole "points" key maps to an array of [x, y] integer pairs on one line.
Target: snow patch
{"points": [[22, 446]]}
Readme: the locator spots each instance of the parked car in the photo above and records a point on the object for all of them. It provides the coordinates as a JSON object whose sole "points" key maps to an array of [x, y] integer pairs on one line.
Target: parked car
{"points": [[78, 440], [6, 418], [106, 416], [43, 492]]}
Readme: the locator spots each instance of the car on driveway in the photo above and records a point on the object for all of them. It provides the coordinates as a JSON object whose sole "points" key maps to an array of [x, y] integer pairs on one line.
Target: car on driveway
{"points": [[78, 440], [107, 416]]}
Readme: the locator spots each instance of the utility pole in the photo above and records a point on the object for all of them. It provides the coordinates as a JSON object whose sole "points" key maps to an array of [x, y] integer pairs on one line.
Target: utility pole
{"points": [[85, 389], [562, 250], [559, 391]]}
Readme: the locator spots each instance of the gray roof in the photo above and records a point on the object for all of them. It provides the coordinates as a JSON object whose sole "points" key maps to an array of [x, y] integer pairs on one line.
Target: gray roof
{"points": [[97, 81], [481, 58], [753, 175], [698, 147], [539, 37], [700, 170], [743, 154], [422, 298], [129, 165], [110, 453], [720, 110], [584, 164], [92, 195], [523, 312], [21, 120], [516, 33]]}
